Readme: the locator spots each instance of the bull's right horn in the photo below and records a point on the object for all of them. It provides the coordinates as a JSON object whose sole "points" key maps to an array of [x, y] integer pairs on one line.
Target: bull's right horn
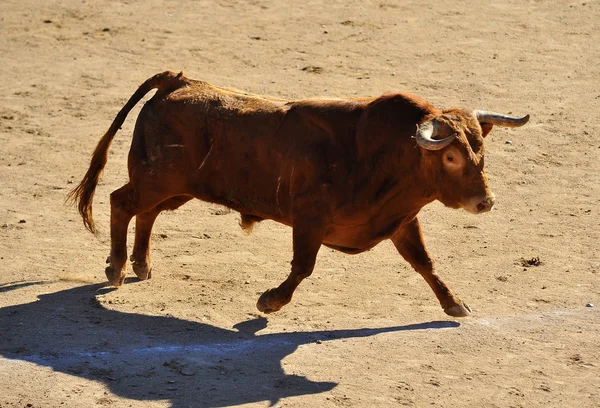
{"points": [[499, 119], [425, 137]]}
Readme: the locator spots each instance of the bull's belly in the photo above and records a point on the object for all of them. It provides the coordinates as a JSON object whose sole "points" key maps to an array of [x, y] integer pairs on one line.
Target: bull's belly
{"points": [[348, 250], [357, 238]]}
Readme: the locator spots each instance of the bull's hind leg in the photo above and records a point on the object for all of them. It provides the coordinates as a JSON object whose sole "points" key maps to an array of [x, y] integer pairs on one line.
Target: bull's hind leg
{"points": [[307, 240], [121, 212], [409, 242], [125, 203], [140, 259]]}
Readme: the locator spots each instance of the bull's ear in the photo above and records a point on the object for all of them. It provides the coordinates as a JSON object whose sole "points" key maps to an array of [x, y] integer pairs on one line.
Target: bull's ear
{"points": [[486, 128]]}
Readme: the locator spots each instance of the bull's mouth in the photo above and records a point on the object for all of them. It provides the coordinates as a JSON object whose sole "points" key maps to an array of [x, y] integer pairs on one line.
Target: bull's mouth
{"points": [[479, 205], [481, 208]]}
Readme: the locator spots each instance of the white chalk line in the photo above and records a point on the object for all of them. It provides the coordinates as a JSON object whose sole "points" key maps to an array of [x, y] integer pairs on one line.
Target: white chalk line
{"points": [[541, 318], [214, 350], [274, 341]]}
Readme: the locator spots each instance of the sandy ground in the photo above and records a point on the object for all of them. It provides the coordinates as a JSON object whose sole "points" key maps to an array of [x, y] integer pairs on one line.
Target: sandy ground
{"points": [[364, 330]]}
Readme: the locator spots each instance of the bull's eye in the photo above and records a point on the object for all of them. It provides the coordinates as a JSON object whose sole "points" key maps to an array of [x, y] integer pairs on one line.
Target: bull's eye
{"points": [[453, 159]]}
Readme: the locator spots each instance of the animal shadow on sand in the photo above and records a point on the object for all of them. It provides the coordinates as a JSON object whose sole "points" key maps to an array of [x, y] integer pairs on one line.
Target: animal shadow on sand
{"points": [[151, 358]]}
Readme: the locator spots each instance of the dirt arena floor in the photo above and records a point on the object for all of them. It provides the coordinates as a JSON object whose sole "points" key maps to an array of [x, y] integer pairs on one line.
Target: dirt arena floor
{"points": [[363, 330]]}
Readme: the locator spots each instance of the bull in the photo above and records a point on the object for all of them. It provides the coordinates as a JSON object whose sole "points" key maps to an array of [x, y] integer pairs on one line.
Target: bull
{"points": [[344, 173]]}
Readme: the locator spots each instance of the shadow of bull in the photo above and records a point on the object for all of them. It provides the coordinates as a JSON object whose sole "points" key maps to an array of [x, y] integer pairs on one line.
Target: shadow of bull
{"points": [[149, 358]]}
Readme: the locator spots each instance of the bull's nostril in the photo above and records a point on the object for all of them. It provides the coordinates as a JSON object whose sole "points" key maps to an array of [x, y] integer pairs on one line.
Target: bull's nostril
{"points": [[485, 205]]}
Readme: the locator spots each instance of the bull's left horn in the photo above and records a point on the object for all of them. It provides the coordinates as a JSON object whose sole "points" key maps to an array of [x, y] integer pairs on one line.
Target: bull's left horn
{"points": [[500, 119], [425, 134]]}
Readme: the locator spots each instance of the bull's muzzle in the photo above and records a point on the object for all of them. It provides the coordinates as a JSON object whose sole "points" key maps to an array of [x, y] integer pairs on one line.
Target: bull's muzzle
{"points": [[480, 205], [485, 205]]}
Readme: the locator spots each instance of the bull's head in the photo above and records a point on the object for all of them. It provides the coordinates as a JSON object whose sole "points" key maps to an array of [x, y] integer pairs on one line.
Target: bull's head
{"points": [[454, 140]]}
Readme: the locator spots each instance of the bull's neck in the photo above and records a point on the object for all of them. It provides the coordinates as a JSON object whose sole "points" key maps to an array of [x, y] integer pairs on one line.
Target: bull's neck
{"points": [[401, 182]]}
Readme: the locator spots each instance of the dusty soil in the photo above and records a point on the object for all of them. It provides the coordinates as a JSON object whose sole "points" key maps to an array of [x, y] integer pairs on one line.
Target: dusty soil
{"points": [[364, 330]]}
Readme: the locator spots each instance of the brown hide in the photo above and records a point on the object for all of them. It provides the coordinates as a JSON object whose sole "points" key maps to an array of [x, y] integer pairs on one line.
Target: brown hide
{"points": [[346, 173], [350, 163]]}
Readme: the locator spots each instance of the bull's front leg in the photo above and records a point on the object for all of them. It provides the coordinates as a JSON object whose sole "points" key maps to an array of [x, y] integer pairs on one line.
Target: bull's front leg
{"points": [[307, 239], [409, 242]]}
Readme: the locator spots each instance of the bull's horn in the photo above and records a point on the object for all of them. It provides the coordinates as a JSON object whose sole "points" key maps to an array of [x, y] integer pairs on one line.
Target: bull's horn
{"points": [[499, 119], [425, 134]]}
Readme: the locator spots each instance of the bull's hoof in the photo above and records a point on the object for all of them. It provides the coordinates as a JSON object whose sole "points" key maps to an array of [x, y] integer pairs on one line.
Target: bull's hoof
{"points": [[458, 310], [116, 278], [142, 270], [267, 302]]}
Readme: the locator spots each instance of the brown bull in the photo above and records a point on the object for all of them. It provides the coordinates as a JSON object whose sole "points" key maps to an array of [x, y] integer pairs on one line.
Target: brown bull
{"points": [[346, 173]]}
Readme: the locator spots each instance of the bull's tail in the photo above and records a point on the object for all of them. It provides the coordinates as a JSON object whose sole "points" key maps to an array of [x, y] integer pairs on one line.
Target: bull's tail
{"points": [[83, 194]]}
